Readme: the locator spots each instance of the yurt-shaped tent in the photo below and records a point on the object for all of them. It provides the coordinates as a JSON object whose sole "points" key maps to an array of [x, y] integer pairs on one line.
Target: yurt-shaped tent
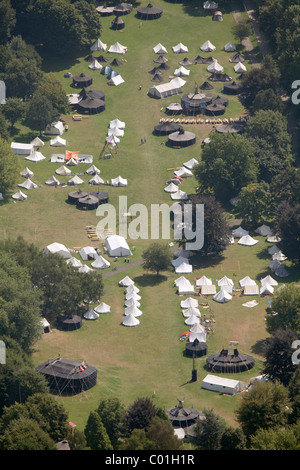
{"points": [[229, 47], [196, 348], [181, 138], [150, 12], [224, 362], [122, 8], [222, 296], [247, 240], [82, 80], [126, 281], [118, 23], [166, 128], [88, 202], [91, 315]]}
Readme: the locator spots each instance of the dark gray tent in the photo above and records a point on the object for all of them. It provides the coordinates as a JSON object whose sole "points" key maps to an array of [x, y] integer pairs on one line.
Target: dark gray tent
{"points": [[101, 58], [185, 62], [82, 80], [161, 59], [166, 128], [181, 138], [232, 88], [74, 196], [69, 322], [229, 363], [157, 77], [118, 23], [91, 106], [203, 60], [116, 63], [181, 417], [220, 100], [231, 128], [149, 12], [122, 9], [88, 202], [196, 348], [237, 57], [220, 77], [215, 109], [102, 197], [206, 86]]}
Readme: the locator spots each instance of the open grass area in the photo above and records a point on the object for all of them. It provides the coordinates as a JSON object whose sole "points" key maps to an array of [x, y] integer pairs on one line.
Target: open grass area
{"points": [[148, 360]]}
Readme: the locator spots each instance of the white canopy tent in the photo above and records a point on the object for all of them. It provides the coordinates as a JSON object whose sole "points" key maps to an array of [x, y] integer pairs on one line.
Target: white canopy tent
{"points": [[192, 320], [184, 268], [181, 72], [117, 123], [160, 49], [93, 170], [98, 45], [207, 46], [37, 142], [180, 48], [26, 173], [188, 312], [119, 181], [179, 196], [35, 156], [222, 296], [203, 281], [240, 68], [222, 385], [133, 310], [52, 181], [117, 48], [215, 67], [88, 253], [21, 149], [185, 287], [183, 173], [130, 320], [102, 308], [74, 262], [19, 196], [91, 315], [269, 280], [230, 47], [174, 87], [171, 188], [247, 240], [126, 281], [266, 289], [239, 232], [191, 163], [58, 142], [225, 281], [247, 281], [28, 184], [58, 248], [100, 263], [116, 80], [189, 302], [96, 180], [76, 180], [117, 246]]}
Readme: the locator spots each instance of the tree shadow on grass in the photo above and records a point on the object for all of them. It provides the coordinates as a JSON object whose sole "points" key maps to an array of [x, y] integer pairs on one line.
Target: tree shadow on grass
{"points": [[146, 280], [259, 347]]}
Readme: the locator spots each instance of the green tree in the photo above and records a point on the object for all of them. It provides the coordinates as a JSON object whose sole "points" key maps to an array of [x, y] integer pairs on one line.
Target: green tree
{"points": [[157, 257], [138, 440], [7, 20], [267, 99], [285, 186], [14, 109], [255, 204], [40, 113], [25, 434], [286, 305], [9, 167], [139, 414], [265, 406], [241, 29], [208, 432], [161, 433], [294, 395], [21, 77], [95, 433], [278, 364], [233, 439], [226, 166], [287, 227], [111, 412], [276, 439], [52, 89]]}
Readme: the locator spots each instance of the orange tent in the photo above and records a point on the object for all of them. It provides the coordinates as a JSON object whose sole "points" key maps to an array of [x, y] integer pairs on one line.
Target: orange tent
{"points": [[70, 155]]}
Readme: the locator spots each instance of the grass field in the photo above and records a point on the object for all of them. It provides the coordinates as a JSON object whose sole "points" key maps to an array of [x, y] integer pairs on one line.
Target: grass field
{"points": [[147, 360]]}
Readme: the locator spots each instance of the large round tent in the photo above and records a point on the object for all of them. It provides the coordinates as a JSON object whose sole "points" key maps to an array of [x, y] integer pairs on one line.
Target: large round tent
{"points": [[68, 377], [215, 109], [69, 322], [122, 9], [181, 417], [88, 202], [195, 103], [224, 362], [232, 88], [166, 128], [150, 12], [181, 138], [232, 128], [196, 348], [82, 80], [91, 105], [74, 196]]}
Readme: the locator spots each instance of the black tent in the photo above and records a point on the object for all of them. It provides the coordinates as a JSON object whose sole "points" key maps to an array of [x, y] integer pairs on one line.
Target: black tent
{"points": [[91, 106], [74, 196], [161, 59], [237, 57], [232, 88], [68, 377], [123, 9], [101, 58], [118, 23], [195, 103], [116, 63], [206, 86], [155, 70], [215, 109], [203, 60], [69, 322], [89, 58], [82, 80], [88, 202], [185, 62], [102, 197], [157, 77], [149, 12], [181, 417], [196, 348], [181, 138], [163, 66], [232, 128], [220, 77], [220, 100], [229, 363], [166, 128]]}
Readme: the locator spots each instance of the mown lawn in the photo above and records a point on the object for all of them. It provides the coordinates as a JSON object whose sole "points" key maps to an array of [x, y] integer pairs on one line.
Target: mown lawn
{"points": [[147, 360]]}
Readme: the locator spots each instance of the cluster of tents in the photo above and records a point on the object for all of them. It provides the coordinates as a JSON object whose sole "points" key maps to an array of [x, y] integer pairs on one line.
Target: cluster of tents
{"points": [[132, 302], [173, 184]]}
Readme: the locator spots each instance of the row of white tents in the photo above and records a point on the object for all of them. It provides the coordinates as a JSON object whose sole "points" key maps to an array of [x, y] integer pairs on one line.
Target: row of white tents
{"points": [[132, 302], [207, 46]]}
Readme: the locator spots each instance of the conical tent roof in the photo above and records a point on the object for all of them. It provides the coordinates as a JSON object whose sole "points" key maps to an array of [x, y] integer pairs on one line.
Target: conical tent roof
{"points": [[19, 196], [52, 181], [35, 156], [171, 188], [95, 65], [26, 173], [37, 142], [189, 302], [63, 171], [239, 232], [266, 289], [117, 123], [100, 263], [191, 311], [225, 281], [102, 308], [207, 46], [184, 267], [229, 47], [85, 269], [240, 68], [93, 170], [191, 163], [192, 320], [133, 310], [132, 288], [28, 184], [222, 296], [96, 180], [130, 320], [132, 295], [247, 281], [203, 281], [263, 230], [247, 240], [126, 281], [180, 48], [75, 180], [91, 315], [98, 46], [74, 262], [131, 303]]}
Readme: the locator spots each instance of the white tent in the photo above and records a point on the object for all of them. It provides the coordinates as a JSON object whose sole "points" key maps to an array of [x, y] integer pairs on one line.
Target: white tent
{"points": [[115, 131], [184, 268], [225, 281], [247, 240], [85, 269], [269, 280], [102, 308], [222, 296], [207, 46], [35, 156], [53, 181], [171, 188], [179, 196], [132, 302], [174, 87], [98, 45], [96, 180], [239, 232], [130, 320], [117, 123], [198, 332], [179, 48], [132, 288], [203, 281], [21, 149], [263, 230], [183, 172], [28, 184], [133, 310], [117, 246], [229, 47], [93, 170], [55, 128], [192, 320], [37, 142], [58, 142], [95, 65], [63, 171], [279, 256], [189, 302], [191, 163], [75, 180], [100, 263], [117, 48], [119, 181], [58, 248], [19, 196], [266, 289], [74, 262], [222, 385], [215, 67], [126, 281], [116, 80], [26, 173], [247, 281], [88, 252], [207, 289], [210, 5], [185, 287], [240, 68], [181, 72], [160, 49], [251, 289], [91, 315], [132, 296], [188, 312]]}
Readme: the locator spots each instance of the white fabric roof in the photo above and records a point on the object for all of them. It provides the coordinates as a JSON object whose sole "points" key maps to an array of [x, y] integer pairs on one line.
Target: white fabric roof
{"points": [[269, 280], [183, 172], [215, 67], [191, 163], [263, 230], [167, 89], [75, 180], [179, 195], [126, 281], [203, 281], [180, 48], [225, 281], [181, 72], [19, 196], [247, 240], [58, 142], [91, 315], [28, 184], [130, 320], [207, 46], [117, 246], [26, 173], [88, 252], [95, 65], [76, 263], [93, 170], [117, 48], [133, 310], [222, 296], [171, 188], [100, 263], [117, 123], [98, 45], [119, 181], [102, 308], [266, 289], [160, 49], [189, 302], [247, 281], [58, 248], [117, 80], [239, 68], [52, 181], [35, 156], [229, 47], [37, 142], [184, 268]]}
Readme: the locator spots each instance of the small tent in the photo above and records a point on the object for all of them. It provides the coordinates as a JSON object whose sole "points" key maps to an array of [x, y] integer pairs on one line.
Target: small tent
{"points": [[58, 142], [98, 45], [239, 232], [74, 262], [191, 163], [117, 48], [266, 289], [247, 240], [28, 184], [119, 181], [207, 46], [203, 281], [63, 171], [58, 248], [181, 72], [22, 149], [91, 315], [26, 173], [55, 128], [53, 181], [189, 302], [160, 49], [88, 253], [222, 296], [180, 48], [100, 263], [102, 308], [37, 142], [229, 47], [133, 310], [240, 68], [19, 196], [35, 156], [130, 320], [269, 280], [126, 281]]}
